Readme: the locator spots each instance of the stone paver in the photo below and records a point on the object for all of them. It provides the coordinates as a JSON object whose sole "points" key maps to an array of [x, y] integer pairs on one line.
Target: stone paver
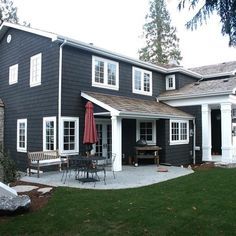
{"points": [[24, 188], [44, 190], [129, 177]]}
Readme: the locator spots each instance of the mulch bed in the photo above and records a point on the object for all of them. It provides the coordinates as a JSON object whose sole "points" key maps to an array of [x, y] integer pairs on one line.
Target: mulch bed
{"points": [[38, 200], [203, 166]]}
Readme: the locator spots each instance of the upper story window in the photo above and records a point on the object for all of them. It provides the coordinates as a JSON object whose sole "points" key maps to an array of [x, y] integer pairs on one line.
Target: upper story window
{"points": [[49, 133], [13, 74], [22, 135], [142, 81], [179, 133], [146, 130], [105, 73], [170, 82], [35, 70]]}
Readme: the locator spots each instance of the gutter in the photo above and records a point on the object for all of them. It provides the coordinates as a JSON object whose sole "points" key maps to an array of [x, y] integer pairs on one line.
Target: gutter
{"points": [[59, 94], [194, 141], [168, 98]]}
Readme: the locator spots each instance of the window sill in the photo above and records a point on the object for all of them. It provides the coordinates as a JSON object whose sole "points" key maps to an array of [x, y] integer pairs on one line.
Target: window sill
{"points": [[142, 93], [21, 150], [179, 142], [34, 85], [105, 86]]}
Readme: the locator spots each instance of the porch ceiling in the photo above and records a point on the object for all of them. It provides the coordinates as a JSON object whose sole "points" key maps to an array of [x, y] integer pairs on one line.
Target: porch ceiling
{"points": [[135, 108]]}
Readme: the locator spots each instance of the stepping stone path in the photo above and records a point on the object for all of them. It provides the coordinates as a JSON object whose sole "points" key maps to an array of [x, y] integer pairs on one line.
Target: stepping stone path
{"points": [[24, 188], [44, 190]]}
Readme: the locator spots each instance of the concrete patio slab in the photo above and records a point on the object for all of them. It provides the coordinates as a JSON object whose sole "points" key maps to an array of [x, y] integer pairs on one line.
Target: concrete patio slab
{"points": [[130, 177]]}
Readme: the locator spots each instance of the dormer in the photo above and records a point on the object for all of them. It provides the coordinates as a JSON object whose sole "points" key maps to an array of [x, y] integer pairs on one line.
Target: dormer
{"points": [[170, 82]]}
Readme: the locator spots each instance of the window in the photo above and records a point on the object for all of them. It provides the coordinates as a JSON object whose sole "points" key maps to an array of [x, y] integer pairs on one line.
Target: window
{"points": [[146, 130], [13, 74], [105, 73], [70, 135], [142, 81], [35, 70], [179, 132], [49, 133], [170, 82], [22, 135]]}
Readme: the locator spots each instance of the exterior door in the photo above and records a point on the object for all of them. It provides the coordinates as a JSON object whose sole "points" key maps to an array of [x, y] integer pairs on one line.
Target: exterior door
{"points": [[103, 147]]}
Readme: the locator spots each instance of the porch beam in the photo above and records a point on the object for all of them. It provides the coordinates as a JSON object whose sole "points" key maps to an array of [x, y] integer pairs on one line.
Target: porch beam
{"points": [[206, 133], [226, 132], [116, 142]]}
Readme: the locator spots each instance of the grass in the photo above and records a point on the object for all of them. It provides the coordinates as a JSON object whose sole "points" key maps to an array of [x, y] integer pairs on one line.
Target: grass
{"points": [[203, 203]]}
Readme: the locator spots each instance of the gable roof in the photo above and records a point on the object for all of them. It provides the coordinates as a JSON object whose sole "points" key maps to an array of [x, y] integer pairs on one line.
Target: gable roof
{"points": [[167, 69], [133, 107], [216, 70], [200, 89]]}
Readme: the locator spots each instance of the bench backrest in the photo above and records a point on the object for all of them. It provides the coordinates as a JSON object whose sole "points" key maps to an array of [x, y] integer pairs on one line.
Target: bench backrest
{"points": [[46, 155]]}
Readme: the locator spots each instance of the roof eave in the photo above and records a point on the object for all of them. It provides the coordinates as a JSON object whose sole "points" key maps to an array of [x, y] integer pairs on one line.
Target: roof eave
{"points": [[167, 98]]}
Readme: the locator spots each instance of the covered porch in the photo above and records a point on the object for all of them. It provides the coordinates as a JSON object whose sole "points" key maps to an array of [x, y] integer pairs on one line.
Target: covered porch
{"points": [[124, 120]]}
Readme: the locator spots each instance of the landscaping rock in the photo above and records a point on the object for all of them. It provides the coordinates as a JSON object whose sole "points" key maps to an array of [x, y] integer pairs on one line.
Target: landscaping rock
{"points": [[14, 204]]}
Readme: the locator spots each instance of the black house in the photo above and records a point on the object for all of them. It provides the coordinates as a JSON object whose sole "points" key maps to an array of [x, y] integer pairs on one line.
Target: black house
{"points": [[46, 80]]}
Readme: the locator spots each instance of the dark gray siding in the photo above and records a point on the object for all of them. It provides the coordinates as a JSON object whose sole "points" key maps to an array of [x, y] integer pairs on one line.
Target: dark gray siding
{"points": [[77, 77], [196, 112], [173, 154], [20, 100], [182, 80]]}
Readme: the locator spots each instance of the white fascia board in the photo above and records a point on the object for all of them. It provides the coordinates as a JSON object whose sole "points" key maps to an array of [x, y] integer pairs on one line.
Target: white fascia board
{"points": [[185, 71], [153, 116], [177, 97], [4, 27], [101, 104], [199, 101]]}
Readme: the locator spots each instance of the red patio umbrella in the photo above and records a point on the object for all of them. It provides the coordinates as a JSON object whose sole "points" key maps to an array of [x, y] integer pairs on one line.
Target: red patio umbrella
{"points": [[90, 131]]}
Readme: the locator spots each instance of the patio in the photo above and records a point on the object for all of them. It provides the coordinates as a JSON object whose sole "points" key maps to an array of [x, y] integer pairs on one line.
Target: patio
{"points": [[129, 177]]}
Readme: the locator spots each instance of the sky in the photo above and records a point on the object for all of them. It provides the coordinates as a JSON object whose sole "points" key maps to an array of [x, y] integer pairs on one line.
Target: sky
{"points": [[116, 25]]}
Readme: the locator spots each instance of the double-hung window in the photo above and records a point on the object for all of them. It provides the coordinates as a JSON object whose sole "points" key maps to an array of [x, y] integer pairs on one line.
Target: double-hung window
{"points": [[35, 70], [142, 81], [70, 135], [49, 133], [179, 132], [170, 82], [22, 135], [146, 130], [13, 74], [105, 73]]}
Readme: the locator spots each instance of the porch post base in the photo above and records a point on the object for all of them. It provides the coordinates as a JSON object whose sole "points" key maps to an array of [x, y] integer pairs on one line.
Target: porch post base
{"points": [[227, 154], [206, 154]]}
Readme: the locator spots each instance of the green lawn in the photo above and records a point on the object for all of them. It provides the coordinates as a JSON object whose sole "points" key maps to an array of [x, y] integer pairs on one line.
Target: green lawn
{"points": [[203, 203]]}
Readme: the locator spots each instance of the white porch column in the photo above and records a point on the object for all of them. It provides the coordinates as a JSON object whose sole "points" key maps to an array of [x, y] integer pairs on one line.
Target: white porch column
{"points": [[206, 133], [116, 142], [226, 132]]}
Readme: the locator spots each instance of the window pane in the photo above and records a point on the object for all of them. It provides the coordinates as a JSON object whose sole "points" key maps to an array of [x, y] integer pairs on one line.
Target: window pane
{"points": [[111, 74], [137, 79], [99, 71], [146, 81], [146, 131]]}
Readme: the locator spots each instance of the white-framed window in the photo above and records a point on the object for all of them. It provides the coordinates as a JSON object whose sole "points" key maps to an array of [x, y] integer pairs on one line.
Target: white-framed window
{"points": [[142, 81], [22, 135], [13, 74], [35, 70], [70, 135], [146, 129], [105, 73], [179, 132], [49, 133], [170, 82]]}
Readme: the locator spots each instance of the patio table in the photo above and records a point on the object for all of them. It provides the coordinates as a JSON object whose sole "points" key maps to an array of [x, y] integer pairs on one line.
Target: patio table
{"points": [[87, 165]]}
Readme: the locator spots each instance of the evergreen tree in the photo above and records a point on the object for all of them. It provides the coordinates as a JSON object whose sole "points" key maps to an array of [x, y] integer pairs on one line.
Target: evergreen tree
{"points": [[162, 44], [226, 9], [8, 12]]}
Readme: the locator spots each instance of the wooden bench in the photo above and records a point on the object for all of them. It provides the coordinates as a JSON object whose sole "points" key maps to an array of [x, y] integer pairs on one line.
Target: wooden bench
{"points": [[45, 158]]}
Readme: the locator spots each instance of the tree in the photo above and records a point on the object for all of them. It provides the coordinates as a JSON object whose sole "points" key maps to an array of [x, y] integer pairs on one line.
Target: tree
{"points": [[162, 44], [226, 9], [8, 12]]}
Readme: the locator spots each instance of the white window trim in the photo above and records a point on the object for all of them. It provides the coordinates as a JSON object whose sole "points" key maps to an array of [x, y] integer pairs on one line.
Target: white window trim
{"points": [[105, 84], [153, 142], [76, 150], [32, 83], [20, 149], [142, 81], [179, 142], [15, 79], [167, 82], [49, 119]]}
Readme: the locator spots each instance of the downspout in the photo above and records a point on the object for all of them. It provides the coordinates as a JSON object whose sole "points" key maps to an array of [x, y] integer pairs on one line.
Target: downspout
{"points": [[59, 95], [194, 141]]}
